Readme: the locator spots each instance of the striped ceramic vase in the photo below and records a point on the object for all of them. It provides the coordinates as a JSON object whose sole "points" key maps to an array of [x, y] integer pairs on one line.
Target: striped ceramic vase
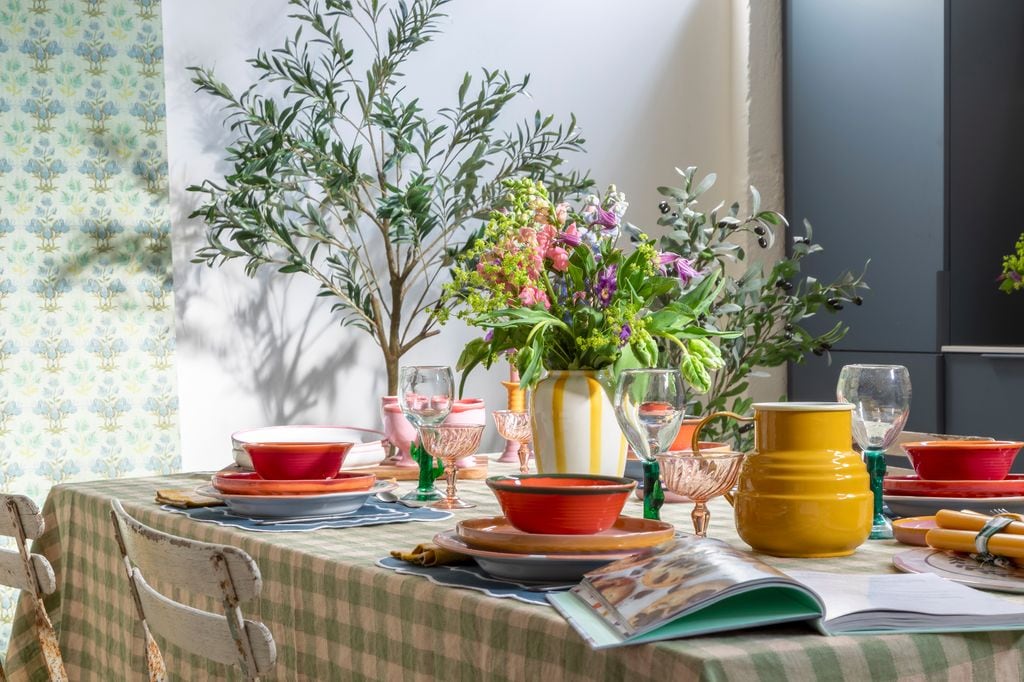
{"points": [[574, 426]]}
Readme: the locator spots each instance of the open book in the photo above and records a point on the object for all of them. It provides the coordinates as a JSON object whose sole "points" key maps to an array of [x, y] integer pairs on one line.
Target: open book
{"points": [[696, 586]]}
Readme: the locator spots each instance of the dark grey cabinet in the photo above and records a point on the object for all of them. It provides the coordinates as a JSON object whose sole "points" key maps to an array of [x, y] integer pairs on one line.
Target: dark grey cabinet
{"points": [[903, 136]]}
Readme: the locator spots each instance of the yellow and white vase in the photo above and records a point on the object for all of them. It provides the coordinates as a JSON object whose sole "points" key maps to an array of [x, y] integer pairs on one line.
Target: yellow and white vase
{"points": [[574, 426]]}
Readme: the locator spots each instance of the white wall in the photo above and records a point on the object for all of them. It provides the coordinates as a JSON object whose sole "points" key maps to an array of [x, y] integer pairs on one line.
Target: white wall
{"points": [[653, 83]]}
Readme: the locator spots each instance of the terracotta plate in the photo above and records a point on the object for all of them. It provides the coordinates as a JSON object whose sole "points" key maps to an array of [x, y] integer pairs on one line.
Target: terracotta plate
{"points": [[497, 534], [530, 568], [913, 529], [1012, 485], [250, 483], [295, 506]]}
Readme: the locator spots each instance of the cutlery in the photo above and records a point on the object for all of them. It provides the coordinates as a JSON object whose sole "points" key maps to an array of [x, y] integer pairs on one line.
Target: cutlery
{"points": [[387, 496]]}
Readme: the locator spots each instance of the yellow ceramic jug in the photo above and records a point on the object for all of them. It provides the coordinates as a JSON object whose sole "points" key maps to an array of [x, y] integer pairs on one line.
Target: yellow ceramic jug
{"points": [[803, 491]]}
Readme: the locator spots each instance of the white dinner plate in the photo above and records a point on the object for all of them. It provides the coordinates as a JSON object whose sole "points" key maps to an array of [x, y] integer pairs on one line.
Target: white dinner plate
{"points": [[367, 451], [961, 568], [277, 506], [907, 505]]}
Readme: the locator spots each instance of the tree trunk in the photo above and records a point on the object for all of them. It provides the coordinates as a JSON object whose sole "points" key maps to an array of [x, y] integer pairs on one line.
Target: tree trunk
{"points": [[391, 363]]}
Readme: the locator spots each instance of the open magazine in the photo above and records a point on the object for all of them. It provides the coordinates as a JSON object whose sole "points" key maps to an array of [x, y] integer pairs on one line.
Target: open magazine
{"points": [[696, 586]]}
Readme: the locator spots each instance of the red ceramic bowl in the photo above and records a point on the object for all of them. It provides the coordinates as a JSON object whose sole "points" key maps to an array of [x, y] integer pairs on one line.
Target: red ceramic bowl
{"points": [[563, 504], [297, 461], [962, 460]]}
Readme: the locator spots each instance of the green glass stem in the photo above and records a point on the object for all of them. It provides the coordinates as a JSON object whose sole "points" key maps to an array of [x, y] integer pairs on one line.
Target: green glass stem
{"points": [[429, 471], [654, 496], [881, 528]]}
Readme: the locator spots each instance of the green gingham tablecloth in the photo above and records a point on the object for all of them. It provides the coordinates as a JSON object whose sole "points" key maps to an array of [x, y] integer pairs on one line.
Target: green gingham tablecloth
{"points": [[336, 616]]}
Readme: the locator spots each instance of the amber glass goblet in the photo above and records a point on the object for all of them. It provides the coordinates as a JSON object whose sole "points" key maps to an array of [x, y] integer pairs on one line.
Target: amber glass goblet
{"points": [[701, 478], [515, 425], [451, 442]]}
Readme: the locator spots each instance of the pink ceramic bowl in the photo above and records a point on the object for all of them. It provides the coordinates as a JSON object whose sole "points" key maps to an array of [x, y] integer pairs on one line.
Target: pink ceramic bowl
{"points": [[561, 504], [962, 460], [297, 461]]}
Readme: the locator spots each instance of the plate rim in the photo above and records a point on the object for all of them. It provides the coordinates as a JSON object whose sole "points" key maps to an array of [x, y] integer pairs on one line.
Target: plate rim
{"points": [[448, 539], [665, 531], [899, 562], [207, 490]]}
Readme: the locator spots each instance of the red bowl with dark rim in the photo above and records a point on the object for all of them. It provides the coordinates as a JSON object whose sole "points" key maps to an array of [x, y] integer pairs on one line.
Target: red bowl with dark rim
{"points": [[962, 460], [297, 461], [566, 504]]}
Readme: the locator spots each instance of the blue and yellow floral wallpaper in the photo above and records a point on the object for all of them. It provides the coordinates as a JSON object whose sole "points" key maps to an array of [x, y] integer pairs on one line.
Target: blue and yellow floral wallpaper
{"points": [[87, 384]]}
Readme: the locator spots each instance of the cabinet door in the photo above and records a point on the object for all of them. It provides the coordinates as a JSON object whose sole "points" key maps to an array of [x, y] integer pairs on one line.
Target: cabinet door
{"points": [[816, 379], [985, 396], [986, 141], [864, 129]]}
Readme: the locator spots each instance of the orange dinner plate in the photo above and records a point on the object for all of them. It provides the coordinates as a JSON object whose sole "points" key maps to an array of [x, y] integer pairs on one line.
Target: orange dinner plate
{"points": [[918, 487], [496, 534], [913, 529], [250, 483]]}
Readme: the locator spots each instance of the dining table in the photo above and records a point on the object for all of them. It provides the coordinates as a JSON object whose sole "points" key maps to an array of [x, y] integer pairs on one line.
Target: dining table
{"points": [[336, 615]]}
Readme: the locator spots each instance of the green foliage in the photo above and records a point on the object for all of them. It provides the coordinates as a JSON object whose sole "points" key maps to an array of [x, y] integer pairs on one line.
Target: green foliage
{"points": [[1012, 278], [766, 305], [339, 173]]}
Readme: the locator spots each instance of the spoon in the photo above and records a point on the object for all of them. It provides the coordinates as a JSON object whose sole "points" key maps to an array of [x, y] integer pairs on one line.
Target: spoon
{"points": [[388, 496]]}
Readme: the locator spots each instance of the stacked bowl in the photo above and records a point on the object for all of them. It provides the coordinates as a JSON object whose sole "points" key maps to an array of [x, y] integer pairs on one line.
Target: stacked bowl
{"points": [[555, 528], [296, 473], [955, 474]]}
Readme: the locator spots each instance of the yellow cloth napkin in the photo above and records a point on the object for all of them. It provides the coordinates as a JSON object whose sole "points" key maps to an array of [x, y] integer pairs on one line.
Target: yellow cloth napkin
{"points": [[957, 531], [185, 499], [426, 554]]}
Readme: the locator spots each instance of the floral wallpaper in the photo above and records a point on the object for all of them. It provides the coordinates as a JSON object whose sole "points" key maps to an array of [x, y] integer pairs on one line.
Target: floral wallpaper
{"points": [[87, 386]]}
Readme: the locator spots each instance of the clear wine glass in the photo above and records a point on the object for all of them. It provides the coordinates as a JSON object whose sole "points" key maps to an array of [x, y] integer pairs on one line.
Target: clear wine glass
{"points": [[880, 395], [426, 393], [515, 425], [452, 442], [650, 405]]}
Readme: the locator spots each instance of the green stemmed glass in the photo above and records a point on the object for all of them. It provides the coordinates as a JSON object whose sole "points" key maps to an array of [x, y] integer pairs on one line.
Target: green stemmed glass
{"points": [[880, 395], [649, 406], [425, 394]]}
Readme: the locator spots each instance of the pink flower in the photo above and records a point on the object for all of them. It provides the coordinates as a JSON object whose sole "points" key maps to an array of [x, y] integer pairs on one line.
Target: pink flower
{"points": [[531, 295], [562, 213], [559, 258], [545, 236], [571, 236]]}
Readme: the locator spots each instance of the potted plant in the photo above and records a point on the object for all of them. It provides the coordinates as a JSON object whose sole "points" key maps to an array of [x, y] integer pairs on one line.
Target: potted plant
{"points": [[768, 304], [340, 175], [552, 287]]}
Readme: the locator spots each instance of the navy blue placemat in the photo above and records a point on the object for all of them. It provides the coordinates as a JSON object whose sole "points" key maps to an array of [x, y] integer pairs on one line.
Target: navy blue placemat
{"points": [[374, 512], [471, 577]]}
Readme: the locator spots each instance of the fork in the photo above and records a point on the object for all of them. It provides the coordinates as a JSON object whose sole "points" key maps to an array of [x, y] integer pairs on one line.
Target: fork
{"points": [[1005, 512]]}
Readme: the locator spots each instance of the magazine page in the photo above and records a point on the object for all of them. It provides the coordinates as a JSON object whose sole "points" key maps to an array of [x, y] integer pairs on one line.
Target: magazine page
{"points": [[646, 590]]}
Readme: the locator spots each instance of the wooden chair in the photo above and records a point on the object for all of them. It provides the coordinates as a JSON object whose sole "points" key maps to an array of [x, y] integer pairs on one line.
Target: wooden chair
{"points": [[219, 571], [31, 573]]}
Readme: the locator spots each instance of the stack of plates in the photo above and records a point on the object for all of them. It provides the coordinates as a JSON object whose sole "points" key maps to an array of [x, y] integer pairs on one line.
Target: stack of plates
{"points": [[367, 451], [914, 496], [246, 494], [505, 552]]}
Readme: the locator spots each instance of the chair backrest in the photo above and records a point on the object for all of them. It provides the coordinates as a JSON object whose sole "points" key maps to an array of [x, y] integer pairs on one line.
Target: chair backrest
{"points": [[31, 573], [220, 571]]}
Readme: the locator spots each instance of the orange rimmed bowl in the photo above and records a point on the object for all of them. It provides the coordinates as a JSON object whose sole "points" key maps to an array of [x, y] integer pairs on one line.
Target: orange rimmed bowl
{"points": [[297, 461], [962, 460], [561, 504]]}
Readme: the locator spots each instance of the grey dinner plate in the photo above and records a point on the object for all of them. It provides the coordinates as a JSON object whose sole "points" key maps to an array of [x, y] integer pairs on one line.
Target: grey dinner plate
{"points": [[277, 506]]}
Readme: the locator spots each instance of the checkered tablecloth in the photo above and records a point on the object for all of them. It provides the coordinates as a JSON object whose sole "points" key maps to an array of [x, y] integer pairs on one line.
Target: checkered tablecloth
{"points": [[336, 616]]}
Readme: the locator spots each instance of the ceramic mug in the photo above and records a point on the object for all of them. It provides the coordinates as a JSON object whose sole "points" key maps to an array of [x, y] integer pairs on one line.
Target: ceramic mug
{"points": [[803, 491]]}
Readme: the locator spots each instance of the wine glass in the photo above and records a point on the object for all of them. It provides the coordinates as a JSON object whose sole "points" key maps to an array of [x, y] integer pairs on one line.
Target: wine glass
{"points": [[650, 405], [880, 395], [700, 478], [426, 394], [452, 442], [515, 426]]}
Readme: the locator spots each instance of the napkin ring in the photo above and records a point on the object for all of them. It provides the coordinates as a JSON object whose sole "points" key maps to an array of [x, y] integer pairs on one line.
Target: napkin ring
{"points": [[991, 527]]}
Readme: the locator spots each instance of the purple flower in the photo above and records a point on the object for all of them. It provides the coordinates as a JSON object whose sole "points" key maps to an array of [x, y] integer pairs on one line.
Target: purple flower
{"points": [[606, 219], [571, 237], [489, 335], [606, 285], [624, 334], [683, 267]]}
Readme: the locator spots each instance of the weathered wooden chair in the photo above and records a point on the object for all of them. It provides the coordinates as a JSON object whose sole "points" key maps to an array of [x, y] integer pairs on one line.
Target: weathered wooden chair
{"points": [[31, 573], [219, 571]]}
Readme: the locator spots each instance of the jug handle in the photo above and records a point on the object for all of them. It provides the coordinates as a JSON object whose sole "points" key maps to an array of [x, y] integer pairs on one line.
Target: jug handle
{"points": [[695, 441]]}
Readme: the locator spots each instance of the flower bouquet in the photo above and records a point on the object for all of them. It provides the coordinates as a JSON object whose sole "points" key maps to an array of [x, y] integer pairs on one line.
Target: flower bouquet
{"points": [[554, 290]]}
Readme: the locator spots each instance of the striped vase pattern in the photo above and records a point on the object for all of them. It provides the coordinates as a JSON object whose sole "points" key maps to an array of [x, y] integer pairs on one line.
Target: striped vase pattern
{"points": [[574, 426]]}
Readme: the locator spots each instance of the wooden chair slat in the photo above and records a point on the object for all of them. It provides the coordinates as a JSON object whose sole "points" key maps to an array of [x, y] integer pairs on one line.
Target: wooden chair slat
{"points": [[31, 519], [12, 572], [186, 562], [202, 632]]}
